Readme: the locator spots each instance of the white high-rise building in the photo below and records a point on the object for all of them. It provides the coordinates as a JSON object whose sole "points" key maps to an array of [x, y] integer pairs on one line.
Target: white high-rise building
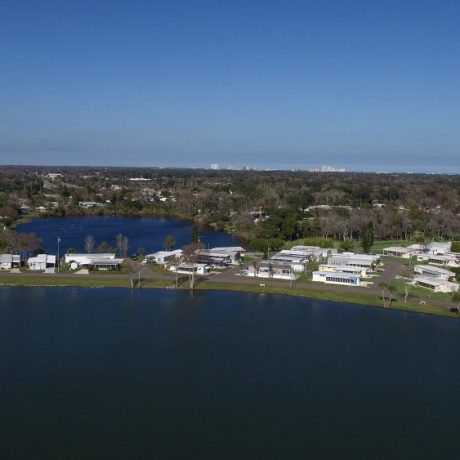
{"points": [[215, 166]]}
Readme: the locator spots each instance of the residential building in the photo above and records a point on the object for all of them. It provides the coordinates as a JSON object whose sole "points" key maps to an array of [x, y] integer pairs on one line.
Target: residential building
{"points": [[104, 261], [398, 251], [362, 272], [267, 269], [10, 261], [435, 272], [187, 269], [435, 284], [42, 262], [348, 279], [163, 257]]}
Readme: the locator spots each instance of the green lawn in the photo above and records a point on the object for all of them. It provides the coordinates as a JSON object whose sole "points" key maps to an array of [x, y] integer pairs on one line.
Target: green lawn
{"points": [[420, 292], [363, 298], [379, 245], [76, 281]]}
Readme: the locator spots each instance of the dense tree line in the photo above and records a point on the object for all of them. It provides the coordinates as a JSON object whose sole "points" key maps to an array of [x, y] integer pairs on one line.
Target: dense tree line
{"points": [[255, 204]]}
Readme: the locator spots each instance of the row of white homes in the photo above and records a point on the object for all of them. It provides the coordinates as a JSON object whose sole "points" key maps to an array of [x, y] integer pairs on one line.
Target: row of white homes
{"points": [[348, 269], [435, 278], [103, 261], [40, 262], [288, 264], [214, 258], [436, 253]]}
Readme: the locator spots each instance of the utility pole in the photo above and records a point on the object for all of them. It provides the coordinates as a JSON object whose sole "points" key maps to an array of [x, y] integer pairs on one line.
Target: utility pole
{"points": [[59, 260]]}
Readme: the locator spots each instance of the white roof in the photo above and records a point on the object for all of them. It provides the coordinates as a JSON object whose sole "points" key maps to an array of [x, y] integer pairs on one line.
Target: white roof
{"points": [[105, 261], [213, 253], [106, 255], [345, 260], [435, 270], [398, 249], [176, 252], [228, 249], [9, 258], [308, 249], [289, 258], [42, 258], [191, 265], [353, 255], [337, 274], [338, 268], [430, 280], [441, 245]]}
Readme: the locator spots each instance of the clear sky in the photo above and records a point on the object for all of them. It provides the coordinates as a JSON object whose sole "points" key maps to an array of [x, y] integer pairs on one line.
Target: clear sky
{"points": [[367, 85]]}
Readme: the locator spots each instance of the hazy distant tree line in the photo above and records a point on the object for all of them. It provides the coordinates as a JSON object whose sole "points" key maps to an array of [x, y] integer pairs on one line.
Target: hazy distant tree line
{"points": [[256, 205]]}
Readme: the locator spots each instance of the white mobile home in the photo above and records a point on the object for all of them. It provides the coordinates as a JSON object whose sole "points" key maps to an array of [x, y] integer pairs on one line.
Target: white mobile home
{"points": [[42, 262], [367, 264], [398, 251], [435, 272], [187, 269], [162, 257], [9, 261], [103, 261], [313, 252], [435, 284], [347, 279], [447, 260], [296, 262], [272, 270], [214, 258], [235, 253], [362, 272]]}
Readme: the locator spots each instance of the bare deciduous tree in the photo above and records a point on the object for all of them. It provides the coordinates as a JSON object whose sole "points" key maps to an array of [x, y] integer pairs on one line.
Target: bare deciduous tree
{"points": [[89, 244]]}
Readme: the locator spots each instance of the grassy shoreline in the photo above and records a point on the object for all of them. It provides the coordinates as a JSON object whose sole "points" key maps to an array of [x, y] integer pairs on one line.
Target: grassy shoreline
{"points": [[363, 299]]}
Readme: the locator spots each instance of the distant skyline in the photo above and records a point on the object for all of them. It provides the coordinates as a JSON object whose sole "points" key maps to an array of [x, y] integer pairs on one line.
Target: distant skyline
{"points": [[363, 85]]}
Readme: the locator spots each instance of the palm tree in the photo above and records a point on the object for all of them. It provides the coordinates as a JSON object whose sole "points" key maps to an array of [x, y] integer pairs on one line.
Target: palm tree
{"points": [[255, 264]]}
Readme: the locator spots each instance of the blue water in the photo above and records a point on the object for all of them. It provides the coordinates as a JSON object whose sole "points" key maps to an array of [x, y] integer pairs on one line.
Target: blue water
{"points": [[160, 374], [149, 233]]}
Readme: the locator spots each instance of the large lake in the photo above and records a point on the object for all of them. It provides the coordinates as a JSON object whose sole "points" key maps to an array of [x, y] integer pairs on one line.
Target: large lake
{"points": [[159, 374], [148, 233]]}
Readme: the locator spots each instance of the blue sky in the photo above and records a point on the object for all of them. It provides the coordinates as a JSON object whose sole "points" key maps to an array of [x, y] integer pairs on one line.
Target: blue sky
{"points": [[368, 85]]}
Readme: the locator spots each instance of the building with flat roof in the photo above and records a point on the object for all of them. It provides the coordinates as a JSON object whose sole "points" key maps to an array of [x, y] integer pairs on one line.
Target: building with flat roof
{"points": [[435, 284], [268, 269], [347, 279], [436, 272], [162, 257]]}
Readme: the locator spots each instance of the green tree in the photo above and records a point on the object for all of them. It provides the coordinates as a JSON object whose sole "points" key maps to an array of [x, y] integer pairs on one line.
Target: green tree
{"points": [[103, 247], [195, 234], [346, 245], [367, 236], [170, 242], [455, 246]]}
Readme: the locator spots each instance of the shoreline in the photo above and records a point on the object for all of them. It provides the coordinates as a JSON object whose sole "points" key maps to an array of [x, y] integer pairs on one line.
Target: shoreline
{"points": [[118, 281]]}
